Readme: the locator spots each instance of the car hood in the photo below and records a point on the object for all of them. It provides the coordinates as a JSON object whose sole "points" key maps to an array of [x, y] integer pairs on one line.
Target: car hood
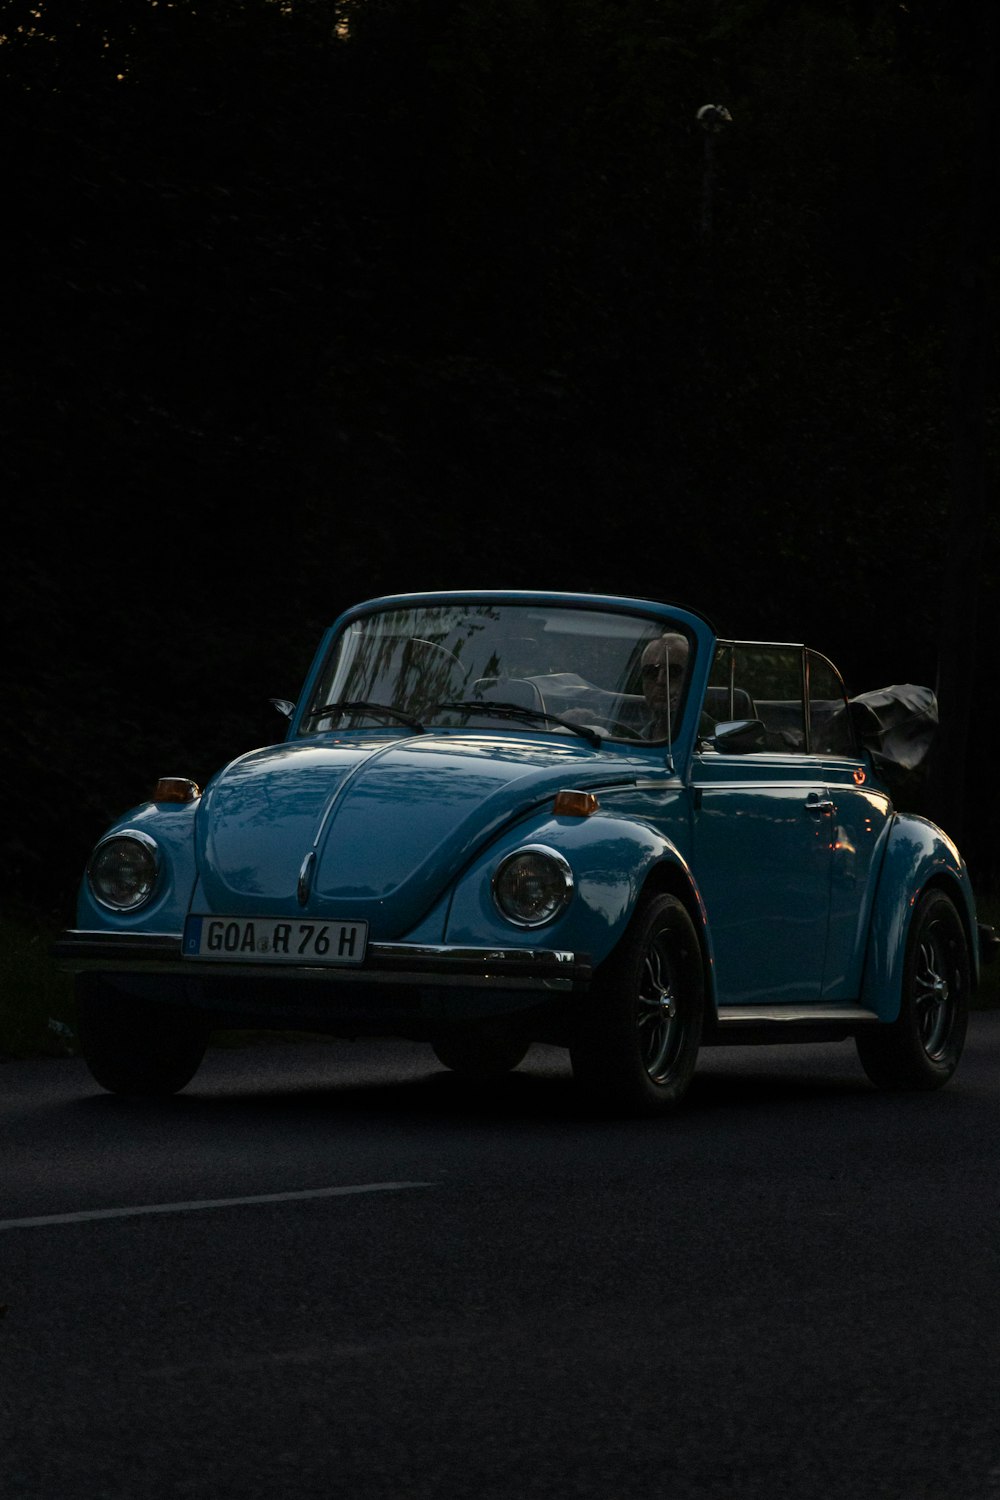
{"points": [[388, 822]]}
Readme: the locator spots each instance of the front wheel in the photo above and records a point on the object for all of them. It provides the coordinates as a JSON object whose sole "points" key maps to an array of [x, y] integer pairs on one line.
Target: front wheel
{"points": [[133, 1047], [921, 1048], [482, 1051], [637, 1043]]}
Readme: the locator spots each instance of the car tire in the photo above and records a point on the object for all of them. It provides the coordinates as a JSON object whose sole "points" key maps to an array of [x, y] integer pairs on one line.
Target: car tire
{"points": [[637, 1045], [481, 1052], [135, 1048], [922, 1047]]}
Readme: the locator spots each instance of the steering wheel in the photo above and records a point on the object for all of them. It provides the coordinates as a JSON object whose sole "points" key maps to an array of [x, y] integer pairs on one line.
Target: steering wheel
{"points": [[618, 727]]}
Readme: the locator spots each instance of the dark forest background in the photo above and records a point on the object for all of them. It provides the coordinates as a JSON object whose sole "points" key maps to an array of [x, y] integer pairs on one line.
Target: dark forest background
{"points": [[308, 301]]}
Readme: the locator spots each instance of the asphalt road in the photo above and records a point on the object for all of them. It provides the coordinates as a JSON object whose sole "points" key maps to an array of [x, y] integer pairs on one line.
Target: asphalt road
{"points": [[792, 1288]]}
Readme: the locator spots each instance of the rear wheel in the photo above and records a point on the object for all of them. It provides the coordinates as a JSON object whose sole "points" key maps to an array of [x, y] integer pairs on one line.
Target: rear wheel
{"points": [[638, 1041], [921, 1048], [133, 1047]]}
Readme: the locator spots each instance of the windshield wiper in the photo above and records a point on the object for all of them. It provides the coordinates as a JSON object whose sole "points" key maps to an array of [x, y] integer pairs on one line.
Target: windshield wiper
{"points": [[360, 706], [518, 711]]}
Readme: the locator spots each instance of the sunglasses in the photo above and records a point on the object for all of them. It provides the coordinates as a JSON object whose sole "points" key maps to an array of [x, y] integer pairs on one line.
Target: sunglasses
{"points": [[653, 669]]}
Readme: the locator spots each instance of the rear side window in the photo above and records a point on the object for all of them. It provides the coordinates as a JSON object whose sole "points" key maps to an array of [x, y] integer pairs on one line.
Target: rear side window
{"points": [[831, 731], [796, 696]]}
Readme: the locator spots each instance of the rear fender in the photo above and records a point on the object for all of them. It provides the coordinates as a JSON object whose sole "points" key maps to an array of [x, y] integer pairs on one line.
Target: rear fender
{"points": [[918, 856]]}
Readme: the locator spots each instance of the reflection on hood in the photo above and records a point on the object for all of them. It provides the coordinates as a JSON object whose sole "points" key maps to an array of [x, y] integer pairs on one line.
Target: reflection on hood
{"points": [[390, 820]]}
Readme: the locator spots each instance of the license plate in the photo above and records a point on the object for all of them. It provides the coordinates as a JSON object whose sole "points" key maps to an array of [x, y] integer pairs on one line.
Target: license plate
{"points": [[265, 940]]}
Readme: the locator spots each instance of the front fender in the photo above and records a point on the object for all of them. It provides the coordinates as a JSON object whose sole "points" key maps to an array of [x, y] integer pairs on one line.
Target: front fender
{"points": [[918, 855], [611, 859], [172, 827]]}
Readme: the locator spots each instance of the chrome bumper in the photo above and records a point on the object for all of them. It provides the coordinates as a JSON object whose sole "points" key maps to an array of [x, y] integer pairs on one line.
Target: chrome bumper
{"points": [[549, 970]]}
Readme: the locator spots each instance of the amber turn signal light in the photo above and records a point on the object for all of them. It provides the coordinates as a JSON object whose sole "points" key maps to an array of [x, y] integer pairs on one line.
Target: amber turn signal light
{"points": [[176, 789], [575, 804]]}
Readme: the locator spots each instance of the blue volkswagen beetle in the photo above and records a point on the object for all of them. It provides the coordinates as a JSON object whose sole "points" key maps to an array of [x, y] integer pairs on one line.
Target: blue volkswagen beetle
{"points": [[506, 817]]}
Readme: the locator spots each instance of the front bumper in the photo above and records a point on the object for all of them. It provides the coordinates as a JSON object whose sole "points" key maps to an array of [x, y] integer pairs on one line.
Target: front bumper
{"points": [[428, 965]]}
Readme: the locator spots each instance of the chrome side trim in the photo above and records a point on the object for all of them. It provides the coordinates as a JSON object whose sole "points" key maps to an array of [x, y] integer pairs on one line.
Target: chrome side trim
{"points": [[429, 964], [793, 1015]]}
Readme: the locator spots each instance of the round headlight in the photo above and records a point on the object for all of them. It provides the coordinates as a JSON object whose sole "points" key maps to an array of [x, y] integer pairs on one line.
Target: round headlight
{"points": [[123, 869], [532, 886]]}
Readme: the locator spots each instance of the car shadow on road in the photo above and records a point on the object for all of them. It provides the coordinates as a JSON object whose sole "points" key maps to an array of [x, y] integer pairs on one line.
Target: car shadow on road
{"points": [[542, 1090]]}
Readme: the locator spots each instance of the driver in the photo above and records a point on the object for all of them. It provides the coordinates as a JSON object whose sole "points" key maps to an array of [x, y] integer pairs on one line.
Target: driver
{"points": [[664, 667]]}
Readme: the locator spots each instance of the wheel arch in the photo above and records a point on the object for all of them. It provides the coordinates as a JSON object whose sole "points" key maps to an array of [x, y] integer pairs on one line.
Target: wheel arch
{"points": [[952, 887], [672, 877]]}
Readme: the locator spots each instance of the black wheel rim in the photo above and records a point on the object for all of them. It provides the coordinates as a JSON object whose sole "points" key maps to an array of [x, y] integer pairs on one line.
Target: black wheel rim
{"points": [[658, 1019], [937, 989]]}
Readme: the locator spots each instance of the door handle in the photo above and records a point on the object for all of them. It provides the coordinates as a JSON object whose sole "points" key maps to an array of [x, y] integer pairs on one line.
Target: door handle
{"points": [[824, 806]]}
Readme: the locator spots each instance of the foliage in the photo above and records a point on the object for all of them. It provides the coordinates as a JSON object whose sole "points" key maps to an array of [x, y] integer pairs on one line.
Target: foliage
{"points": [[36, 1002]]}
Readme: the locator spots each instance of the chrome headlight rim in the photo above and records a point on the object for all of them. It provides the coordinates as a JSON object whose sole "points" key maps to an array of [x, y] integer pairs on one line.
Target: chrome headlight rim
{"points": [[561, 866], [150, 849]]}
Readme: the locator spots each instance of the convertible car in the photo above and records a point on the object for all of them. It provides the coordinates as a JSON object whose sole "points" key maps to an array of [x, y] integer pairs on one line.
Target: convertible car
{"points": [[497, 818]]}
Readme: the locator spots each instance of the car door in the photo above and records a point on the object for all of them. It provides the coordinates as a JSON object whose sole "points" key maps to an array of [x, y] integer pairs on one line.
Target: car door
{"points": [[761, 836], [859, 816]]}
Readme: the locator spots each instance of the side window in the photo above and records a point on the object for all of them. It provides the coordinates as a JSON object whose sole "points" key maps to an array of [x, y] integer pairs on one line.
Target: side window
{"points": [[764, 683], [730, 691], [718, 700], [773, 677], [830, 729]]}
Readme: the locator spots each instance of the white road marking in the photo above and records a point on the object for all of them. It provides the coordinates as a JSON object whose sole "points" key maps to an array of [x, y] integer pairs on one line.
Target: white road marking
{"points": [[87, 1214]]}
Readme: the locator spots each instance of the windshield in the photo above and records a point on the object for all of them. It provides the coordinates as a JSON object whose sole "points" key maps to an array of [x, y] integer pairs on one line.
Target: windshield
{"points": [[550, 669]]}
